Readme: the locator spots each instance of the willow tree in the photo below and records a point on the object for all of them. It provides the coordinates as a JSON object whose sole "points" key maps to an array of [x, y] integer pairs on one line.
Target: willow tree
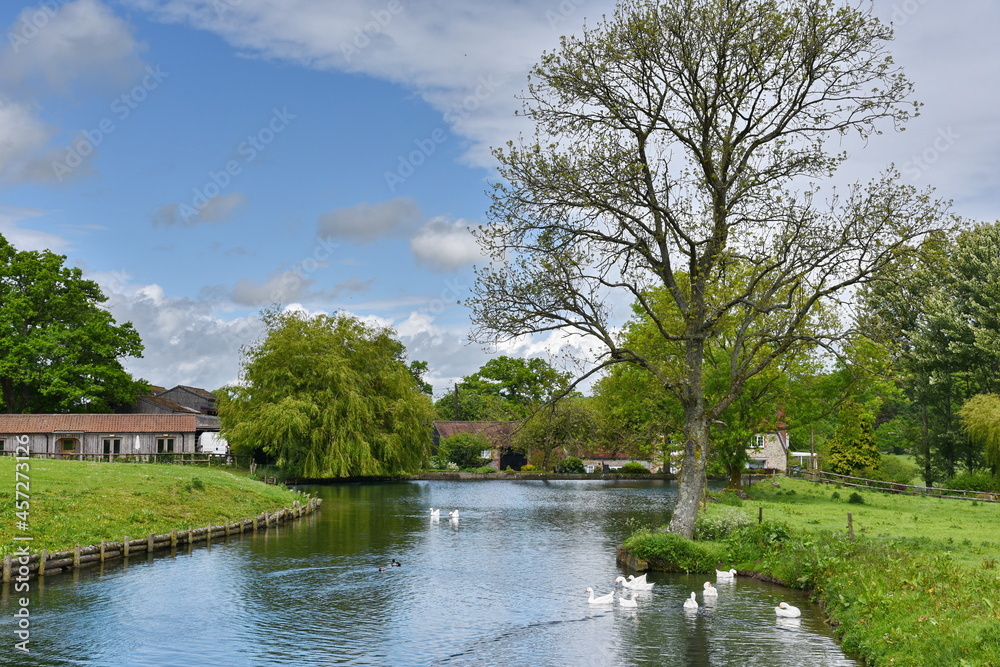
{"points": [[328, 396], [676, 138]]}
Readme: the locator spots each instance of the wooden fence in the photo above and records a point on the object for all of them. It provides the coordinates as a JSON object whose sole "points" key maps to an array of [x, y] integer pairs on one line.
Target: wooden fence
{"points": [[892, 487], [242, 461], [45, 563]]}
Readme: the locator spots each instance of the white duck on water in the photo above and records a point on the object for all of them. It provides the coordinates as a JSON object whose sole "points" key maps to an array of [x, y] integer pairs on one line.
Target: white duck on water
{"points": [[604, 599], [628, 603], [634, 584], [691, 603], [725, 574], [710, 590], [786, 610]]}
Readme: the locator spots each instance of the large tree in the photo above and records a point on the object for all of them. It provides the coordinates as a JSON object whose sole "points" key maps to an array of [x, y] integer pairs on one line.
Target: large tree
{"points": [[675, 142], [503, 388], [328, 396], [60, 350]]}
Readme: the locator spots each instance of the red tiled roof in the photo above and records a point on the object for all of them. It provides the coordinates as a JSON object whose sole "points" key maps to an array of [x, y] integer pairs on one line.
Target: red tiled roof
{"points": [[112, 423]]}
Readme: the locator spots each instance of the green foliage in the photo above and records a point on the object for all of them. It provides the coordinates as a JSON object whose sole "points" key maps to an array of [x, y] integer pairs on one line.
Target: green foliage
{"points": [[194, 484], [486, 469], [835, 495], [465, 449], [981, 420], [328, 396], [853, 446], [527, 467], [634, 468], [896, 470], [567, 427], [729, 497], [719, 525], [856, 499], [752, 542], [570, 464], [60, 349], [673, 553], [977, 480]]}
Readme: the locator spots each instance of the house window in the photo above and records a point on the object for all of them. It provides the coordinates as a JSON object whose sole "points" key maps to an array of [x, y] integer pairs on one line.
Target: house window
{"points": [[758, 441], [68, 445], [164, 445], [112, 445], [486, 454], [3, 444]]}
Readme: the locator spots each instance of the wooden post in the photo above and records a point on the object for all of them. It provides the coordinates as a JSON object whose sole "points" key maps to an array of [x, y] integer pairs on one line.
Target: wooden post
{"points": [[125, 547], [76, 557], [208, 536], [173, 539], [6, 569], [850, 526], [103, 547], [41, 562], [149, 544], [760, 515]]}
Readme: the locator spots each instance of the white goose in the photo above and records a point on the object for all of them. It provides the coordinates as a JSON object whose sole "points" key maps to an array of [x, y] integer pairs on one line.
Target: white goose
{"points": [[628, 603], [786, 610], [604, 599], [638, 580], [636, 585], [435, 513], [710, 590], [453, 514], [691, 603], [724, 574]]}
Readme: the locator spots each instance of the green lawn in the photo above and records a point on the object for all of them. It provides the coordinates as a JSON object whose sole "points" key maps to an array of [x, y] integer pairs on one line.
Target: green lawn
{"points": [[969, 530], [79, 502], [919, 585]]}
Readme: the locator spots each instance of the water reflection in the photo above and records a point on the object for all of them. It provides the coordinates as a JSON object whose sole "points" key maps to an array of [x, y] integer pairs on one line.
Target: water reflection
{"points": [[501, 586]]}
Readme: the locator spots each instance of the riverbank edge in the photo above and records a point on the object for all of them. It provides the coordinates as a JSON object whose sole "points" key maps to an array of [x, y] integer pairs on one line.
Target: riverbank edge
{"points": [[25, 566], [479, 477], [952, 627]]}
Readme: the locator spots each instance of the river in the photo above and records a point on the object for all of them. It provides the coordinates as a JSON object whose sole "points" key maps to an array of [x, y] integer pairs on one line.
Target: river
{"points": [[503, 585]]}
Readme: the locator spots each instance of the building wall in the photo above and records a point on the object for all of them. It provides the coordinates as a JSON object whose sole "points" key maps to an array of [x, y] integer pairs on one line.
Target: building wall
{"points": [[93, 443], [773, 450]]}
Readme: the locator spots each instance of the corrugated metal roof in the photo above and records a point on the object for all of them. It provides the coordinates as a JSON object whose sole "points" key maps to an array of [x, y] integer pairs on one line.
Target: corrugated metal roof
{"points": [[88, 423]]}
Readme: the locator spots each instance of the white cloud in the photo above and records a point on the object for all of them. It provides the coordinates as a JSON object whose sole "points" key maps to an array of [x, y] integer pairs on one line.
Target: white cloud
{"points": [[24, 138], [61, 46], [28, 239], [364, 222], [467, 60], [288, 287], [445, 246]]}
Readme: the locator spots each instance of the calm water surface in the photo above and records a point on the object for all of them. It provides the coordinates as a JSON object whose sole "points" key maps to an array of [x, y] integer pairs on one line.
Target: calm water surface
{"points": [[501, 586]]}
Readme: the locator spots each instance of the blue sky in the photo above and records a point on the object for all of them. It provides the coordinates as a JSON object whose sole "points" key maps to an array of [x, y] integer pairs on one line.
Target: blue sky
{"points": [[203, 159]]}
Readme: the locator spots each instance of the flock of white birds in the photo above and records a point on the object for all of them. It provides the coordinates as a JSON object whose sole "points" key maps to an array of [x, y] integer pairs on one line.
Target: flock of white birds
{"points": [[635, 584]]}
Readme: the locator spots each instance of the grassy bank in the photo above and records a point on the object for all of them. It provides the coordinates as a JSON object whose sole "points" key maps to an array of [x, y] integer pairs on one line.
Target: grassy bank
{"points": [[79, 502], [919, 585]]}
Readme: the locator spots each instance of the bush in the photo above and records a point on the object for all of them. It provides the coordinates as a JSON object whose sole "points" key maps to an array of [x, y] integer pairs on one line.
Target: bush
{"points": [[979, 480], [752, 542], [729, 497], [856, 498], [464, 449], [527, 467], [835, 495], [720, 526], [673, 553], [486, 469], [633, 468], [570, 464]]}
